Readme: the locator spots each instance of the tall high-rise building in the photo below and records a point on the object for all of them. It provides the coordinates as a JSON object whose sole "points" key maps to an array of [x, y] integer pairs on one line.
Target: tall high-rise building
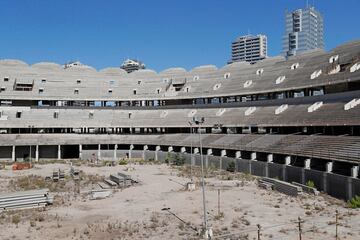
{"points": [[249, 48], [304, 30]]}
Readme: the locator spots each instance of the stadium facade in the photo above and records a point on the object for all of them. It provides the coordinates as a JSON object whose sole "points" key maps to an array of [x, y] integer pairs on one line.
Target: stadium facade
{"points": [[296, 119]]}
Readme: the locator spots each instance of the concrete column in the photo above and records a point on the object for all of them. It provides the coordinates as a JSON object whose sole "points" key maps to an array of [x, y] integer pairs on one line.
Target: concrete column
{"points": [[99, 152], [80, 151], [196, 150], [36, 153], [237, 154], [183, 149], [144, 150], [307, 163], [287, 160], [13, 153], [329, 167], [130, 150], [349, 188], [157, 149], [115, 151], [223, 153], [170, 149], [355, 171], [59, 152], [209, 152], [253, 156], [270, 158]]}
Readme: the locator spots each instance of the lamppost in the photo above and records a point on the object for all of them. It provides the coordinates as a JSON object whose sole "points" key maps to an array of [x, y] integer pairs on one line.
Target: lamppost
{"points": [[207, 232]]}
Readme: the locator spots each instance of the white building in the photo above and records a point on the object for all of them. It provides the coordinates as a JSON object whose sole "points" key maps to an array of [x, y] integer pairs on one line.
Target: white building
{"points": [[304, 30], [249, 48]]}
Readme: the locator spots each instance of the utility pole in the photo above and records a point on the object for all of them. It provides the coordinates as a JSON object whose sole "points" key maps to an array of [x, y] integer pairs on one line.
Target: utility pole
{"points": [[336, 224], [258, 232], [299, 227]]}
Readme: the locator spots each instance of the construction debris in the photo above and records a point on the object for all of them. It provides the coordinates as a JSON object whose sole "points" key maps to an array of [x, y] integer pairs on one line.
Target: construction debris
{"points": [[307, 189], [25, 199], [58, 175], [280, 186], [75, 173], [100, 194], [21, 166]]}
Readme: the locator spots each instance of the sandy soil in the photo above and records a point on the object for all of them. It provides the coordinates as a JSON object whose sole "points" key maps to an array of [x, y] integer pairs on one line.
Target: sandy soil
{"points": [[135, 212]]}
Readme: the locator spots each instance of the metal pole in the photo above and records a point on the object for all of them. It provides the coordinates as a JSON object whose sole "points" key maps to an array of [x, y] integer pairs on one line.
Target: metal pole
{"points": [[258, 231], [336, 224], [299, 226], [218, 202], [203, 181]]}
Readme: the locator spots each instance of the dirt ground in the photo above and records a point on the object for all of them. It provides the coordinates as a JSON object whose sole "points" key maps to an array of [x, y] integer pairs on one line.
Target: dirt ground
{"points": [[136, 212]]}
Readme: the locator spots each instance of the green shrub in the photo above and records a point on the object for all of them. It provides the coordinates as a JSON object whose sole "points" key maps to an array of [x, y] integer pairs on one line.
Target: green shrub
{"points": [[310, 184], [123, 162], [179, 160], [231, 166], [355, 202]]}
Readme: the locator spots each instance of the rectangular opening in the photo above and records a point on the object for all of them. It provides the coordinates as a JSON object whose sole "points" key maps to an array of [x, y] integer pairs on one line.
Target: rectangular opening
{"points": [[41, 90], [43, 80], [18, 114], [110, 91], [134, 91], [6, 79], [2, 89], [56, 114], [76, 91], [78, 81]]}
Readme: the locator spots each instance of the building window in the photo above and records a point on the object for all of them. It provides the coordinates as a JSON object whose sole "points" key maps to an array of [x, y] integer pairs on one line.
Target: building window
{"points": [[247, 83], [2, 89], [110, 91], [217, 86], [56, 114], [196, 78], [333, 59], [139, 82], [76, 91], [130, 115], [78, 81], [6, 79], [18, 114], [227, 75], [260, 71], [294, 66], [41, 90], [43, 80], [91, 115], [134, 91], [158, 90]]}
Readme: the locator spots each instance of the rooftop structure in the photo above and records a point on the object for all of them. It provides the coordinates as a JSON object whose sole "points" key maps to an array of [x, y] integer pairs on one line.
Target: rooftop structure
{"points": [[130, 65], [304, 30], [249, 48]]}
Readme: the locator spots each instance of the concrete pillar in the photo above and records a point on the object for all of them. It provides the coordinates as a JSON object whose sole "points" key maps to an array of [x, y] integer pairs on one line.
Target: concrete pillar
{"points": [[209, 152], [157, 149], [59, 152], [170, 149], [287, 160], [329, 167], [349, 188], [144, 150], [253, 156], [355, 171], [237, 154], [307, 163], [36, 153], [183, 149], [115, 151], [99, 152], [130, 150], [80, 151], [223, 153], [196, 150], [13, 153], [270, 158]]}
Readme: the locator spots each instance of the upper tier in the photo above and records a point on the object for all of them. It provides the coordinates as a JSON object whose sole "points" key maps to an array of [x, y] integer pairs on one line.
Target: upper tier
{"points": [[49, 81]]}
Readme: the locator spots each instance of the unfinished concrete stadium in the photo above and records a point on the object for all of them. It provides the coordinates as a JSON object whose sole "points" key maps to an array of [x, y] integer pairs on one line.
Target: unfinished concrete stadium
{"points": [[294, 119]]}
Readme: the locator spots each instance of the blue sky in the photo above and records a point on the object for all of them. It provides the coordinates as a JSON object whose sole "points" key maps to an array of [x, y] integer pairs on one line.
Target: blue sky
{"points": [[162, 33]]}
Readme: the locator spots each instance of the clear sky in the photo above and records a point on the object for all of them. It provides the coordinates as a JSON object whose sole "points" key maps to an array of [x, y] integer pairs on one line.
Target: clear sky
{"points": [[162, 33]]}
